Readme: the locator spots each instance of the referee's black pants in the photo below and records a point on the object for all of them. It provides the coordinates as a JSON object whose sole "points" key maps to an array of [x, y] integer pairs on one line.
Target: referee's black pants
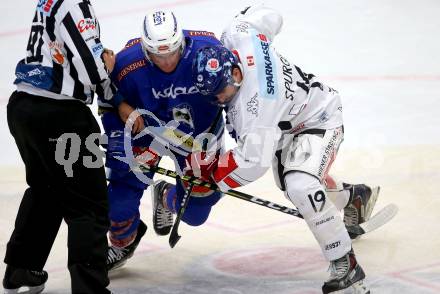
{"points": [[81, 200]]}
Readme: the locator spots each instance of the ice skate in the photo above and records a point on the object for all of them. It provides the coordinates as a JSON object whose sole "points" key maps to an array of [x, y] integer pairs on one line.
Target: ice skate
{"points": [[361, 204], [17, 278], [346, 276], [117, 257], [162, 217]]}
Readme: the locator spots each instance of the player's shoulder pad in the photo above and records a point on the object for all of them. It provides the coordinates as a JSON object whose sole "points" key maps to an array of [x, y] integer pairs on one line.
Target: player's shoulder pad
{"points": [[202, 38], [131, 43], [129, 59]]}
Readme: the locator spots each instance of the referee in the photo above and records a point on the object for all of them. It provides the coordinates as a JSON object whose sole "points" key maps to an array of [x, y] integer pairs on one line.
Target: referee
{"points": [[65, 65]]}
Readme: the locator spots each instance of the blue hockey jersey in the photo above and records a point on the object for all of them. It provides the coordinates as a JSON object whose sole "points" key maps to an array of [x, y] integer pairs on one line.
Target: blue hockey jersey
{"points": [[168, 95]]}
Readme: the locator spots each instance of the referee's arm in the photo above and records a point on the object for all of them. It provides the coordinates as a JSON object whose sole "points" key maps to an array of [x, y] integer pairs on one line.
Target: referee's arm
{"points": [[80, 30], [81, 33]]}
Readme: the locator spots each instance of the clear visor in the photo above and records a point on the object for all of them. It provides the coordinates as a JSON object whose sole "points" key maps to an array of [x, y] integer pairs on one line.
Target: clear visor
{"points": [[163, 55]]}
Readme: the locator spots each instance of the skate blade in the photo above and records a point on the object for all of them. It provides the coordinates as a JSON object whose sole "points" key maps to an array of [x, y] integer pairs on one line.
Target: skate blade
{"points": [[357, 288], [372, 202], [30, 290]]}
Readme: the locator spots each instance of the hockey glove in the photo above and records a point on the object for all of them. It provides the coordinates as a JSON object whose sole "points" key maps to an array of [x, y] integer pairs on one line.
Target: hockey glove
{"points": [[201, 165], [145, 156]]}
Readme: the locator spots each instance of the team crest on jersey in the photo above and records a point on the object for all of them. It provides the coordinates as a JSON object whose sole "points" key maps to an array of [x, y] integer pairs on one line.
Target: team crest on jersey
{"points": [[213, 65], [57, 53]]}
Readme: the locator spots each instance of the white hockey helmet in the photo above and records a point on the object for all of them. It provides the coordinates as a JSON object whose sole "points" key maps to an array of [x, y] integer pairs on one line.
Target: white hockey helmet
{"points": [[161, 34]]}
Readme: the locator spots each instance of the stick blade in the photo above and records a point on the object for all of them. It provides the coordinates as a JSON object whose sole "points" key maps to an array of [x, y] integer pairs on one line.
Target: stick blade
{"points": [[174, 238], [379, 219]]}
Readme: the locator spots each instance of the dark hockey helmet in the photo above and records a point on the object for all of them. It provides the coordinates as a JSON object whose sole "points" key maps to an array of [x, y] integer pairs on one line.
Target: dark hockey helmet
{"points": [[212, 69]]}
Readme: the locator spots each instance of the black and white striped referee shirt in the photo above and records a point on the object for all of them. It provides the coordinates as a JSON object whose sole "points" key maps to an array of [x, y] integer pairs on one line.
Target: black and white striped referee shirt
{"points": [[63, 58]]}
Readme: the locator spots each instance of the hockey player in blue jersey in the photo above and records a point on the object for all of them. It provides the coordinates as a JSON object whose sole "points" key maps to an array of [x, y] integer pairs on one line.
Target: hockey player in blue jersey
{"points": [[153, 72]]}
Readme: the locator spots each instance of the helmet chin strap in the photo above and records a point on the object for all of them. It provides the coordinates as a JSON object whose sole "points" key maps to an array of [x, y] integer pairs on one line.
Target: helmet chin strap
{"points": [[238, 84], [145, 51]]}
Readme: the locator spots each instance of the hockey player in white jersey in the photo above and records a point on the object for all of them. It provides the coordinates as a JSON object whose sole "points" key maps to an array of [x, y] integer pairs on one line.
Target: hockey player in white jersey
{"points": [[284, 118]]}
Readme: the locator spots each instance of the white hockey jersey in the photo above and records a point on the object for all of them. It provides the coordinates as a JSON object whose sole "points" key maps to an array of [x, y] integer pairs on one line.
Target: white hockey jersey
{"points": [[275, 99]]}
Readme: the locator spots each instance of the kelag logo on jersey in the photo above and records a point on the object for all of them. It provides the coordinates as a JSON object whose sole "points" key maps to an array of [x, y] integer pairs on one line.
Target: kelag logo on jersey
{"points": [[45, 6], [173, 92], [266, 72]]}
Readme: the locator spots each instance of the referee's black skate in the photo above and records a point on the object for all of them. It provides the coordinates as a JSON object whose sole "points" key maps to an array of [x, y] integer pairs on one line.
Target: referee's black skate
{"points": [[162, 217], [117, 257], [346, 276], [16, 278], [360, 206]]}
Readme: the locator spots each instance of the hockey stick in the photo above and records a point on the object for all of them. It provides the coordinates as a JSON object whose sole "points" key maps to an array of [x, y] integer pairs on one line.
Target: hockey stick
{"points": [[174, 235], [376, 221], [379, 219]]}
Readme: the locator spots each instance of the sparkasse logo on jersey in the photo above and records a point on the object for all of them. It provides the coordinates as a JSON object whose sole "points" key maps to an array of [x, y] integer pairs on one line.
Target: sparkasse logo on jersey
{"points": [[262, 37], [270, 83]]}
